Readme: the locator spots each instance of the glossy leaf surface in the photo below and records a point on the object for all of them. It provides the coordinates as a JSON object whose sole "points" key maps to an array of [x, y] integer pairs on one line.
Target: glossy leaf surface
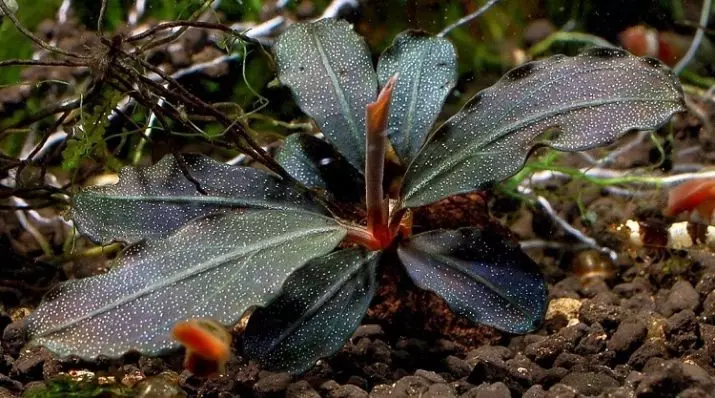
{"points": [[427, 67], [568, 103], [318, 309], [153, 201], [328, 68], [214, 267], [316, 164], [480, 276]]}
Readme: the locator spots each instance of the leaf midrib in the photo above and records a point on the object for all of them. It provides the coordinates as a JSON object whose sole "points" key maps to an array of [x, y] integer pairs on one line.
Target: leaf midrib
{"points": [[203, 199], [407, 129], [197, 269], [345, 109], [319, 302], [456, 156], [456, 264]]}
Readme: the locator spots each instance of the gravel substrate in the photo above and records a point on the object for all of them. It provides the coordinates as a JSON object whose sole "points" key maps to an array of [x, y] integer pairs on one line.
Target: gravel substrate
{"points": [[627, 338]]}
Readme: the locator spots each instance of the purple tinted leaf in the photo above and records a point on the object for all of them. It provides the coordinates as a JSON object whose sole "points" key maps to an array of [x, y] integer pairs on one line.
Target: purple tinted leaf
{"points": [[427, 67], [568, 103], [214, 267], [327, 66], [153, 201], [316, 164], [318, 309], [480, 276]]}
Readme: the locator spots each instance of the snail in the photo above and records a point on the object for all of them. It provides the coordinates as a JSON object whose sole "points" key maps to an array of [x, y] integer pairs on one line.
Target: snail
{"points": [[208, 345], [590, 265]]}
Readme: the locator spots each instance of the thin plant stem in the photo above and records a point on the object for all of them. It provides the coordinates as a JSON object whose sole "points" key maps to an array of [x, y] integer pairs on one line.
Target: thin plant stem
{"points": [[19, 26], [586, 240], [100, 17], [196, 15], [190, 24], [466, 19], [255, 149], [704, 15], [32, 62]]}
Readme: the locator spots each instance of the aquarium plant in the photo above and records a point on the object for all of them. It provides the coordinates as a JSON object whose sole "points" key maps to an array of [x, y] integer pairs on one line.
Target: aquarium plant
{"points": [[304, 249]]}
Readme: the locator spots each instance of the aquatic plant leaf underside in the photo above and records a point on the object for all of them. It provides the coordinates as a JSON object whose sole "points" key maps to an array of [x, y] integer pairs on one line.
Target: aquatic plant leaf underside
{"points": [[214, 267], [479, 275], [153, 201], [568, 103], [317, 311], [327, 66], [317, 165], [427, 71]]}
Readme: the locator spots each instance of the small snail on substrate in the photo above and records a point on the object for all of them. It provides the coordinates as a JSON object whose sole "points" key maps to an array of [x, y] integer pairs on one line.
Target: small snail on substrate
{"points": [[592, 265]]}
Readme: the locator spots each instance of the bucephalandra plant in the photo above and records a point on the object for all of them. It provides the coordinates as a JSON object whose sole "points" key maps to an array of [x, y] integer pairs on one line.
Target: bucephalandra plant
{"points": [[249, 239]]}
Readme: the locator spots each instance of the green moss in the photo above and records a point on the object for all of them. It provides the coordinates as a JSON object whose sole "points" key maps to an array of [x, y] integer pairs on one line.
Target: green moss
{"points": [[64, 386]]}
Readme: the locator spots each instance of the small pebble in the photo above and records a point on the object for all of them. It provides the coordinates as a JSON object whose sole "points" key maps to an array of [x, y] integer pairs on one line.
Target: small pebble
{"points": [[589, 383], [272, 385], [606, 314], [301, 389], [347, 391], [652, 348], [439, 390], [410, 386], [706, 284], [457, 367], [495, 390], [628, 336], [709, 308], [682, 296], [535, 391], [682, 332], [430, 376]]}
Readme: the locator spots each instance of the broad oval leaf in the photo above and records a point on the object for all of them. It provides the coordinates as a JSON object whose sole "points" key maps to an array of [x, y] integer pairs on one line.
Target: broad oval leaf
{"points": [[153, 201], [318, 309], [568, 103], [316, 164], [479, 275], [214, 267], [427, 67], [328, 68]]}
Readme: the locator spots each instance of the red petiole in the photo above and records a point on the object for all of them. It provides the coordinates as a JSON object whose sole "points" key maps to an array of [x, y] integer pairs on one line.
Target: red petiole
{"points": [[380, 231]]}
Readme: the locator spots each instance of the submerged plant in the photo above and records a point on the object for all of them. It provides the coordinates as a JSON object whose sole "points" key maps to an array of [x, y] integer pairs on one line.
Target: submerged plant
{"points": [[248, 238]]}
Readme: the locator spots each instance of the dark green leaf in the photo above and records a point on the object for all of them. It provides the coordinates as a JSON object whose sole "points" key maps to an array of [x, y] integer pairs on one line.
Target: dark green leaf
{"points": [[214, 267], [480, 276], [568, 103], [318, 309], [327, 66], [428, 71], [316, 164], [154, 201]]}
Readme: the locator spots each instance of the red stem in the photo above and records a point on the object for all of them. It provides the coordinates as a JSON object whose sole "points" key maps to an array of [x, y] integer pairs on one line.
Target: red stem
{"points": [[362, 237], [376, 146]]}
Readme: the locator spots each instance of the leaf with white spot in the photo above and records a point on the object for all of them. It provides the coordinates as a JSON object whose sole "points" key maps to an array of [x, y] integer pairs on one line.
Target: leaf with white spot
{"points": [[153, 201], [479, 275], [214, 267], [427, 67], [318, 309], [568, 103], [327, 66], [316, 164]]}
